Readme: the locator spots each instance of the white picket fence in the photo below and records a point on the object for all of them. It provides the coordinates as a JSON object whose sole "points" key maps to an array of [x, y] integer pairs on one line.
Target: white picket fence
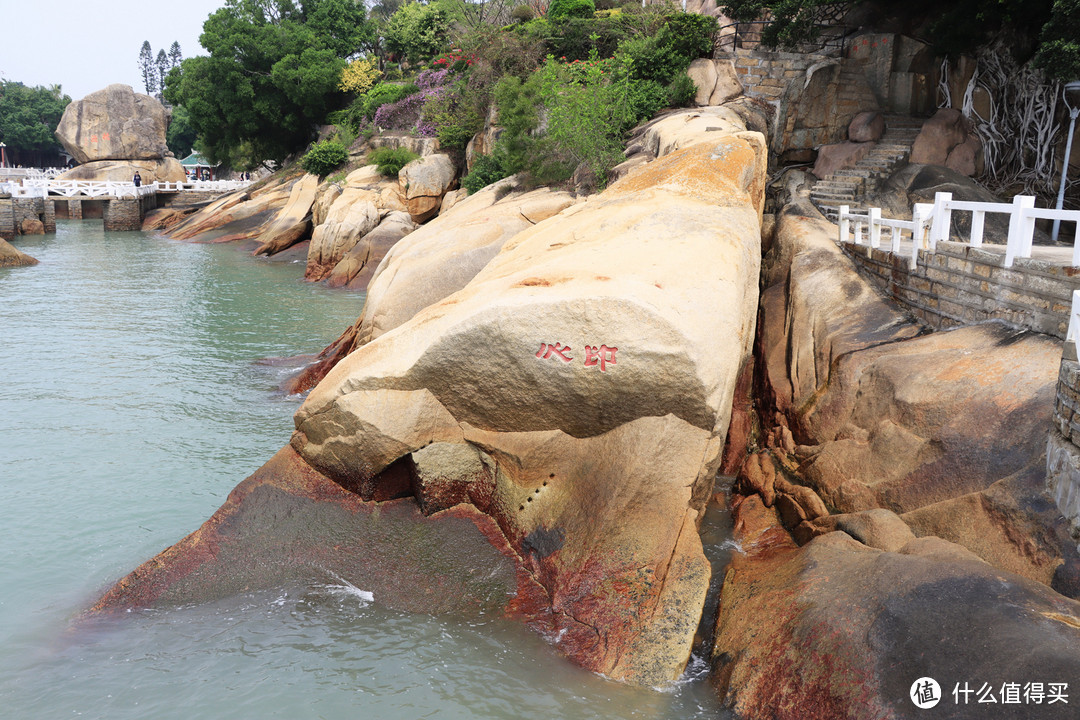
{"points": [[931, 222]]}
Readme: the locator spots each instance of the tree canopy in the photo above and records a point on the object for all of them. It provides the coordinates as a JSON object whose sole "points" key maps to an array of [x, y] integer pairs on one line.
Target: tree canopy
{"points": [[272, 74], [28, 116]]}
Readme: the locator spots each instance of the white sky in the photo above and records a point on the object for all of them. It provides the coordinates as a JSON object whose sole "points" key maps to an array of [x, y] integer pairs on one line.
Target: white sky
{"points": [[85, 46]]}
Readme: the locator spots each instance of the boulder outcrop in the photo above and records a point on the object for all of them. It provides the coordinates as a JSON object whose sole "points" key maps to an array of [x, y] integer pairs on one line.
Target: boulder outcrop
{"points": [[11, 256], [947, 429], [947, 139], [576, 390], [424, 182], [716, 81], [351, 216], [115, 123], [293, 221], [840, 629], [357, 266]]}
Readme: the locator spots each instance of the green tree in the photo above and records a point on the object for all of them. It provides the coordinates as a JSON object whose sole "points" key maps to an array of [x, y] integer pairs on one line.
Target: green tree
{"points": [[28, 116], [271, 75], [181, 135], [560, 9], [1059, 50], [417, 32]]}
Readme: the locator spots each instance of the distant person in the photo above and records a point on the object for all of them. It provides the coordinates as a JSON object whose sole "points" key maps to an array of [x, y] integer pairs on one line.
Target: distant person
{"points": [[137, 179]]}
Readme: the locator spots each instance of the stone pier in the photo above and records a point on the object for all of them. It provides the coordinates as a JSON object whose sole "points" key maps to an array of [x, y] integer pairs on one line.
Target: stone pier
{"points": [[7, 218], [125, 214]]}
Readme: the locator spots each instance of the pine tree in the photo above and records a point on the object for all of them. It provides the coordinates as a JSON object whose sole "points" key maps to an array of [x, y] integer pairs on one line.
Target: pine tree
{"points": [[161, 65], [175, 56], [146, 67]]}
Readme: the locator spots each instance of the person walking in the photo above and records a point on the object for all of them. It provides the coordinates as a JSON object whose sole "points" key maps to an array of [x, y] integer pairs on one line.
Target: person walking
{"points": [[137, 179]]}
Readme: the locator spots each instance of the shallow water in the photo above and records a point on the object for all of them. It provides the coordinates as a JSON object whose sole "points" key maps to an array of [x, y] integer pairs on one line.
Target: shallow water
{"points": [[131, 406]]}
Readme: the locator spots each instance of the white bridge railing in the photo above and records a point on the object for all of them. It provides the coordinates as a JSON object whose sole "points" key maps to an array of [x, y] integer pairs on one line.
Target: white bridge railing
{"points": [[41, 187], [932, 222]]}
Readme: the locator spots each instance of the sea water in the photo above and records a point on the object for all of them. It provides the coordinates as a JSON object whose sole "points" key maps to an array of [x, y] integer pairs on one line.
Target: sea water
{"points": [[132, 402]]}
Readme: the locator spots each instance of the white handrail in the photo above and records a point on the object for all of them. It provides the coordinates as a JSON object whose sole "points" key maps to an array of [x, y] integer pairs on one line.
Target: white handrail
{"points": [[1021, 211], [918, 228]]}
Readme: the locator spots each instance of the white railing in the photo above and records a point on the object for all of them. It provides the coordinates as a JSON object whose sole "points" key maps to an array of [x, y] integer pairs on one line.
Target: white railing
{"points": [[1074, 319], [917, 228], [1021, 211], [202, 186], [43, 186], [38, 173]]}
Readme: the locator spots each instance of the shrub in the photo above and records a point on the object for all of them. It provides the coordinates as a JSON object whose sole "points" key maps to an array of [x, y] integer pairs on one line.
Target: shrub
{"points": [[384, 94], [391, 160], [358, 76], [486, 170], [522, 13], [681, 91], [559, 9], [324, 157]]}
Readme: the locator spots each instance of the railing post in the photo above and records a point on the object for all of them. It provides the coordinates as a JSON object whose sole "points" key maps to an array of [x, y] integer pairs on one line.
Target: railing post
{"points": [[942, 218], [1074, 318], [977, 218], [1018, 224], [858, 232], [875, 227], [842, 223], [917, 219]]}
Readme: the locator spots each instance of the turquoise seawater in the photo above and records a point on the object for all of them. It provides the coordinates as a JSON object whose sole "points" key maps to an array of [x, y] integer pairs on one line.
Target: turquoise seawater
{"points": [[131, 404]]}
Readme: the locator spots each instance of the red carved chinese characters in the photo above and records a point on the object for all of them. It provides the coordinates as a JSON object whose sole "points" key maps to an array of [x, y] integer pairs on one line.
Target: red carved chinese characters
{"points": [[601, 356], [558, 350]]}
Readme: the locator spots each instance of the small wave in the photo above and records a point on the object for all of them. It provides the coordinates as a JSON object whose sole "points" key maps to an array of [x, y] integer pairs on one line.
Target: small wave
{"points": [[347, 588]]}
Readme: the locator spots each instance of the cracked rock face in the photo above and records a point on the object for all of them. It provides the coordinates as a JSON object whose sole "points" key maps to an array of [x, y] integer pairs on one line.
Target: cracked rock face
{"points": [[573, 391]]}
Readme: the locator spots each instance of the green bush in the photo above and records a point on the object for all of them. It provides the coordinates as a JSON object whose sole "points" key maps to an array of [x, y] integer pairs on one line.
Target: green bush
{"points": [[323, 157], [681, 91], [486, 170], [384, 94], [559, 9], [391, 160], [522, 13]]}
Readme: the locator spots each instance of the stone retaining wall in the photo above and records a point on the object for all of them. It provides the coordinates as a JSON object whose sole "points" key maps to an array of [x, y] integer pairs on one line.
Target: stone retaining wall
{"points": [[767, 74], [7, 218], [961, 285], [1063, 445]]}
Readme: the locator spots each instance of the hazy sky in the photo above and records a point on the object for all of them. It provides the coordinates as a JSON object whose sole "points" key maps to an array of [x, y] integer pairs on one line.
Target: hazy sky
{"points": [[85, 46]]}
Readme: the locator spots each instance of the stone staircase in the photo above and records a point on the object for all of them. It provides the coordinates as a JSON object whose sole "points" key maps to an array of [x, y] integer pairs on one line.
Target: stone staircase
{"points": [[850, 186]]}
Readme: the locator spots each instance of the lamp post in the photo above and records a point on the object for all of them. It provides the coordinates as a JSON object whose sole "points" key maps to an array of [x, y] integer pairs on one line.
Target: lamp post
{"points": [[1071, 92], [3, 156]]}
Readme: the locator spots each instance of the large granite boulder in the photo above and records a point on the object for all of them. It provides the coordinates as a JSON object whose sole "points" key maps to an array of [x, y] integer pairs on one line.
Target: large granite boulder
{"points": [[716, 81], [11, 256], [351, 216], [576, 391], [357, 266], [114, 124], [159, 170], [837, 629], [424, 181], [293, 221]]}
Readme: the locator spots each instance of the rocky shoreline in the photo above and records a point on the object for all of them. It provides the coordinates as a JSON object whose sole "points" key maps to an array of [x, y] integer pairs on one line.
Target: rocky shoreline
{"points": [[570, 373]]}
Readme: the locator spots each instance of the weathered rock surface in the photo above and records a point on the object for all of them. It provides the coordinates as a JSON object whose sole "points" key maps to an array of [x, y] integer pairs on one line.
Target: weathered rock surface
{"points": [[424, 182], [866, 127], [11, 256], [31, 226], [840, 156], [947, 139], [351, 216], [947, 429], [356, 268], [223, 217], [159, 170], [293, 221], [575, 392], [115, 123], [837, 629], [715, 80]]}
